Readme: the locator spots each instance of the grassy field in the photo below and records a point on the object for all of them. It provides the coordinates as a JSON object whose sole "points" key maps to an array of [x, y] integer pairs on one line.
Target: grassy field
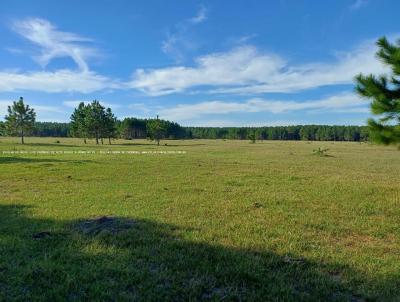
{"points": [[225, 221]]}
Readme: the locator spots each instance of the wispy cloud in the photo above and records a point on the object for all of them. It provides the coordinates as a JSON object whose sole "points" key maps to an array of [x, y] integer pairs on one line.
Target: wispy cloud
{"points": [[344, 102], [200, 17], [179, 39], [357, 4], [234, 123], [244, 39], [75, 103], [247, 70], [54, 43]]}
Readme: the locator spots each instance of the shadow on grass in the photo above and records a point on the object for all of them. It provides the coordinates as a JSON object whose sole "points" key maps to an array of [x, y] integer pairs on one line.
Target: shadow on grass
{"points": [[120, 259], [28, 160]]}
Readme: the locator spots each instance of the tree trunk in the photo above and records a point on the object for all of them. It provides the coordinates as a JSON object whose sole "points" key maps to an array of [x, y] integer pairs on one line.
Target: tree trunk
{"points": [[158, 142], [109, 140], [84, 140], [22, 137], [97, 138], [102, 142]]}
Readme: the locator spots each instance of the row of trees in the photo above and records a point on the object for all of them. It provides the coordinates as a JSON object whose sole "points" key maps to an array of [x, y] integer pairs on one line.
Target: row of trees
{"points": [[93, 120], [50, 129], [40, 129], [157, 129], [132, 128], [305, 132]]}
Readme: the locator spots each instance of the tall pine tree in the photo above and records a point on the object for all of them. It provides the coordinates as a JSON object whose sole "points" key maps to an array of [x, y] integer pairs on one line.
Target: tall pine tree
{"points": [[78, 122], [384, 91], [110, 124], [20, 119]]}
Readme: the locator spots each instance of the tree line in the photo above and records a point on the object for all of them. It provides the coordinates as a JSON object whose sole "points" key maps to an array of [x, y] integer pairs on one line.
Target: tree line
{"points": [[92, 121], [300, 132]]}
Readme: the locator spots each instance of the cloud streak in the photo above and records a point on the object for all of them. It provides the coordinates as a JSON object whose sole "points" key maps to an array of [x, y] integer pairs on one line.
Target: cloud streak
{"points": [[344, 102], [200, 17], [357, 4], [58, 81], [246, 70], [75, 103], [179, 40]]}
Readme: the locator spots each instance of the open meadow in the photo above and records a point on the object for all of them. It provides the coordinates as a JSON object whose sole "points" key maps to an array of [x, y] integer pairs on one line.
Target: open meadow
{"points": [[226, 220]]}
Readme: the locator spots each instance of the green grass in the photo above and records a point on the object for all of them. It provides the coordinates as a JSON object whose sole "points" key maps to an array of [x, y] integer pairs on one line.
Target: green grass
{"points": [[228, 220]]}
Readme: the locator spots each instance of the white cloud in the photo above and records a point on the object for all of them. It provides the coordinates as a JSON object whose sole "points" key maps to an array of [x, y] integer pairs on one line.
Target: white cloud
{"points": [[345, 102], [3, 107], [246, 70], [241, 65], [55, 43], [57, 81]]}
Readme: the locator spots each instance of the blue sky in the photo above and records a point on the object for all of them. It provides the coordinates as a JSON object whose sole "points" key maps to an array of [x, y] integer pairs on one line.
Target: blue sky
{"points": [[200, 63]]}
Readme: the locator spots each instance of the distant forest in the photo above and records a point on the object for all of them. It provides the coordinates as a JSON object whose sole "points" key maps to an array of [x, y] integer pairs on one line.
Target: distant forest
{"points": [[133, 128]]}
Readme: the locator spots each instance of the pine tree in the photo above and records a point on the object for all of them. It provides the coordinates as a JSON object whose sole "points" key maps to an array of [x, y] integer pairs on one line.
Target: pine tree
{"points": [[2, 129], [385, 94], [78, 122], [156, 130], [94, 120], [20, 119], [110, 124], [252, 137]]}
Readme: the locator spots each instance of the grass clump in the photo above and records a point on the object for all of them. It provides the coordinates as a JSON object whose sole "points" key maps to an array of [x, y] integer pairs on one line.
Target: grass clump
{"points": [[321, 152]]}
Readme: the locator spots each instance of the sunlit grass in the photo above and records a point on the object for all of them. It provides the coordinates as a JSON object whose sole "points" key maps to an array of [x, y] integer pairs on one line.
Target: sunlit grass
{"points": [[227, 220]]}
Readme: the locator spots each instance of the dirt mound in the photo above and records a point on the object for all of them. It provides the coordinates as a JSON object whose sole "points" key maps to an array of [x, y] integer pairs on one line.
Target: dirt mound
{"points": [[104, 224], [41, 235]]}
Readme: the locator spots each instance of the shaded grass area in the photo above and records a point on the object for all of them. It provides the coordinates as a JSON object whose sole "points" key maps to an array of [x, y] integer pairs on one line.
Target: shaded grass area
{"points": [[228, 221], [122, 259]]}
